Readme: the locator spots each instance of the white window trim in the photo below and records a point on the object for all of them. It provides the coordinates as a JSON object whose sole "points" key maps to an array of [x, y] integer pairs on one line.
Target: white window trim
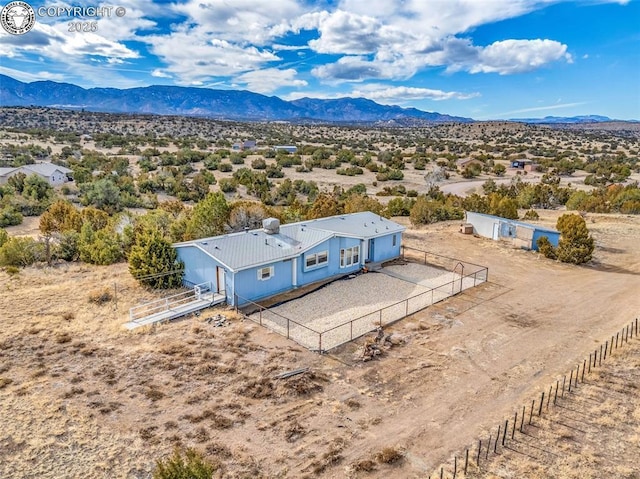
{"points": [[260, 273], [351, 252], [316, 260]]}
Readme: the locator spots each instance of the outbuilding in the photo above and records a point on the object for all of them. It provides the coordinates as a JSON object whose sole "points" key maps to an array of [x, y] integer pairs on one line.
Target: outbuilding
{"points": [[260, 263], [521, 235]]}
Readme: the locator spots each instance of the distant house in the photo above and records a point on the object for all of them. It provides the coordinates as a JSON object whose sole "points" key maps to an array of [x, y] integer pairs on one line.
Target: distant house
{"points": [[54, 174], [464, 162], [257, 264], [6, 173], [287, 148], [521, 235], [249, 145], [526, 165]]}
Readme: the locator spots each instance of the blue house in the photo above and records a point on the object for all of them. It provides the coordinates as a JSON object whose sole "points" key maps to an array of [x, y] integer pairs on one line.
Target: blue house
{"points": [[257, 264], [522, 235]]}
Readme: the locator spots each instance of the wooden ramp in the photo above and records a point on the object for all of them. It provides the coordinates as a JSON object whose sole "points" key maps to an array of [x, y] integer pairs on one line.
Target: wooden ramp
{"points": [[174, 306]]}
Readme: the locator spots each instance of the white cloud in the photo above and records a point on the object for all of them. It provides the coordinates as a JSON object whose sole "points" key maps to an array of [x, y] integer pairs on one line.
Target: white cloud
{"points": [[518, 56], [270, 79], [243, 21], [192, 54], [346, 33], [31, 77], [401, 94], [158, 73]]}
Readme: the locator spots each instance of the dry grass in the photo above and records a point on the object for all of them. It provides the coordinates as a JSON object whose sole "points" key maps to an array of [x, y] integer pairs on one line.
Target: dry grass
{"points": [[593, 432]]}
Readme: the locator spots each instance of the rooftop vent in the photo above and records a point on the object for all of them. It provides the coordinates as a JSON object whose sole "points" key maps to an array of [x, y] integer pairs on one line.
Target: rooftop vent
{"points": [[271, 226]]}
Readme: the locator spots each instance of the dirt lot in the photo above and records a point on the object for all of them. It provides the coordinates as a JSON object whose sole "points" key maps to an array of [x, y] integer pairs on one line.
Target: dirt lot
{"points": [[81, 397]]}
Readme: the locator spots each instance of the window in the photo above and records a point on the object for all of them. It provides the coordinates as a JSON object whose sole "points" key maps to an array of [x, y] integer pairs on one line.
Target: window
{"points": [[316, 259], [349, 256], [394, 240], [265, 273]]}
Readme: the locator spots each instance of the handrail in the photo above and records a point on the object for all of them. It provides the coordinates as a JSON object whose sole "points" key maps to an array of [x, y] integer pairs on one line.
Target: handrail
{"points": [[166, 303]]}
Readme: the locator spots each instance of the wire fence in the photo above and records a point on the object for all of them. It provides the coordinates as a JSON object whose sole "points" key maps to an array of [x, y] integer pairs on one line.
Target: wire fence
{"points": [[506, 432], [465, 275]]}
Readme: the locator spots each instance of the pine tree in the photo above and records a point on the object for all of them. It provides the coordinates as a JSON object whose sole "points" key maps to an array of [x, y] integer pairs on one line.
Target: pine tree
{"points": [[576, 244], [154, 262]]}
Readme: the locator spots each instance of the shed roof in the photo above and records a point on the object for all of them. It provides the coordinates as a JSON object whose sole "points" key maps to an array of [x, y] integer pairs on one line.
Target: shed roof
{"points": [[239, 251], [515, 222]]}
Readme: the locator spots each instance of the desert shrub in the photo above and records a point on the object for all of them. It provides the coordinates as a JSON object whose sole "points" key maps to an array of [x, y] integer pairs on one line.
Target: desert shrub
{"points": [[225, 167], [389, 455], [4, 237], [426, 211], [11, 270], [531, 215], [227, 185], [21, 251], [100, 296], [9, 216], [350, 171], [546, 248], [189, 464], [258, 164], [236, 159]]}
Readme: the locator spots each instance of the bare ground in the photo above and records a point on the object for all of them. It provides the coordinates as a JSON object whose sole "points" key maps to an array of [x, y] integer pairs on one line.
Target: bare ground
{"points": [[81, 397]]}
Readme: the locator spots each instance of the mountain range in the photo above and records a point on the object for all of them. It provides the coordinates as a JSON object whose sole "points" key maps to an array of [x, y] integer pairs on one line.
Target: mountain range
{"points": [[238, 105]]}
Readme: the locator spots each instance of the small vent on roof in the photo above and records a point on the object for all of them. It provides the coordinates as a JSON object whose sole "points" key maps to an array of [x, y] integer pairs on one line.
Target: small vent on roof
{"points": [[204, 243]]}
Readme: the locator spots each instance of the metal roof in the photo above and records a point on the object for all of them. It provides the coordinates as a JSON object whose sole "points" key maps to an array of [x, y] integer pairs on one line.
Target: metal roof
{"points": [[516, 222], [46, 169], [238, 251]]}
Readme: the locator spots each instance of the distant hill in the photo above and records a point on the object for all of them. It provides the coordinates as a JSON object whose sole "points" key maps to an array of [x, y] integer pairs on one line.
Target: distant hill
{"points": [[565, 119], [238, 105]]}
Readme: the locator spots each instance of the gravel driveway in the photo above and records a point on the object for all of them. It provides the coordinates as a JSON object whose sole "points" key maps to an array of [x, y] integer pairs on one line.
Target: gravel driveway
{"points": [[350, 307]]}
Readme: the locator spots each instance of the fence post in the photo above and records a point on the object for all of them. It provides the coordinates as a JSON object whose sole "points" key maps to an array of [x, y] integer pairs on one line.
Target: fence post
{"points": [[495, 445], [570, 380], [533, 404], [549, 396], [606, 346], [504, 434], [513, 430], [488, 448], [479, 451], [611, 347], [589, 362], [522, 419], [600, 362], [541, 404], [455, 466], [564, 380], [466, 461], [584, 365], [617, 340], [555, 398]]}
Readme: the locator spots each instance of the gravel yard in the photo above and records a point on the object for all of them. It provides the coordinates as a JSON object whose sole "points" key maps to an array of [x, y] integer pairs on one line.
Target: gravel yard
{"points": [[348, 308]]}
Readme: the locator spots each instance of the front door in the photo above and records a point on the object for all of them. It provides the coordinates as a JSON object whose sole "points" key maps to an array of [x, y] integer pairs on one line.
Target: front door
{"points": [[220, 279], [371, 249]]}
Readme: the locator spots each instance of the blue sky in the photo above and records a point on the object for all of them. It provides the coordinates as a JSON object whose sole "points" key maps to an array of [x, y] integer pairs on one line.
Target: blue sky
{"points": [[485, 59]]}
